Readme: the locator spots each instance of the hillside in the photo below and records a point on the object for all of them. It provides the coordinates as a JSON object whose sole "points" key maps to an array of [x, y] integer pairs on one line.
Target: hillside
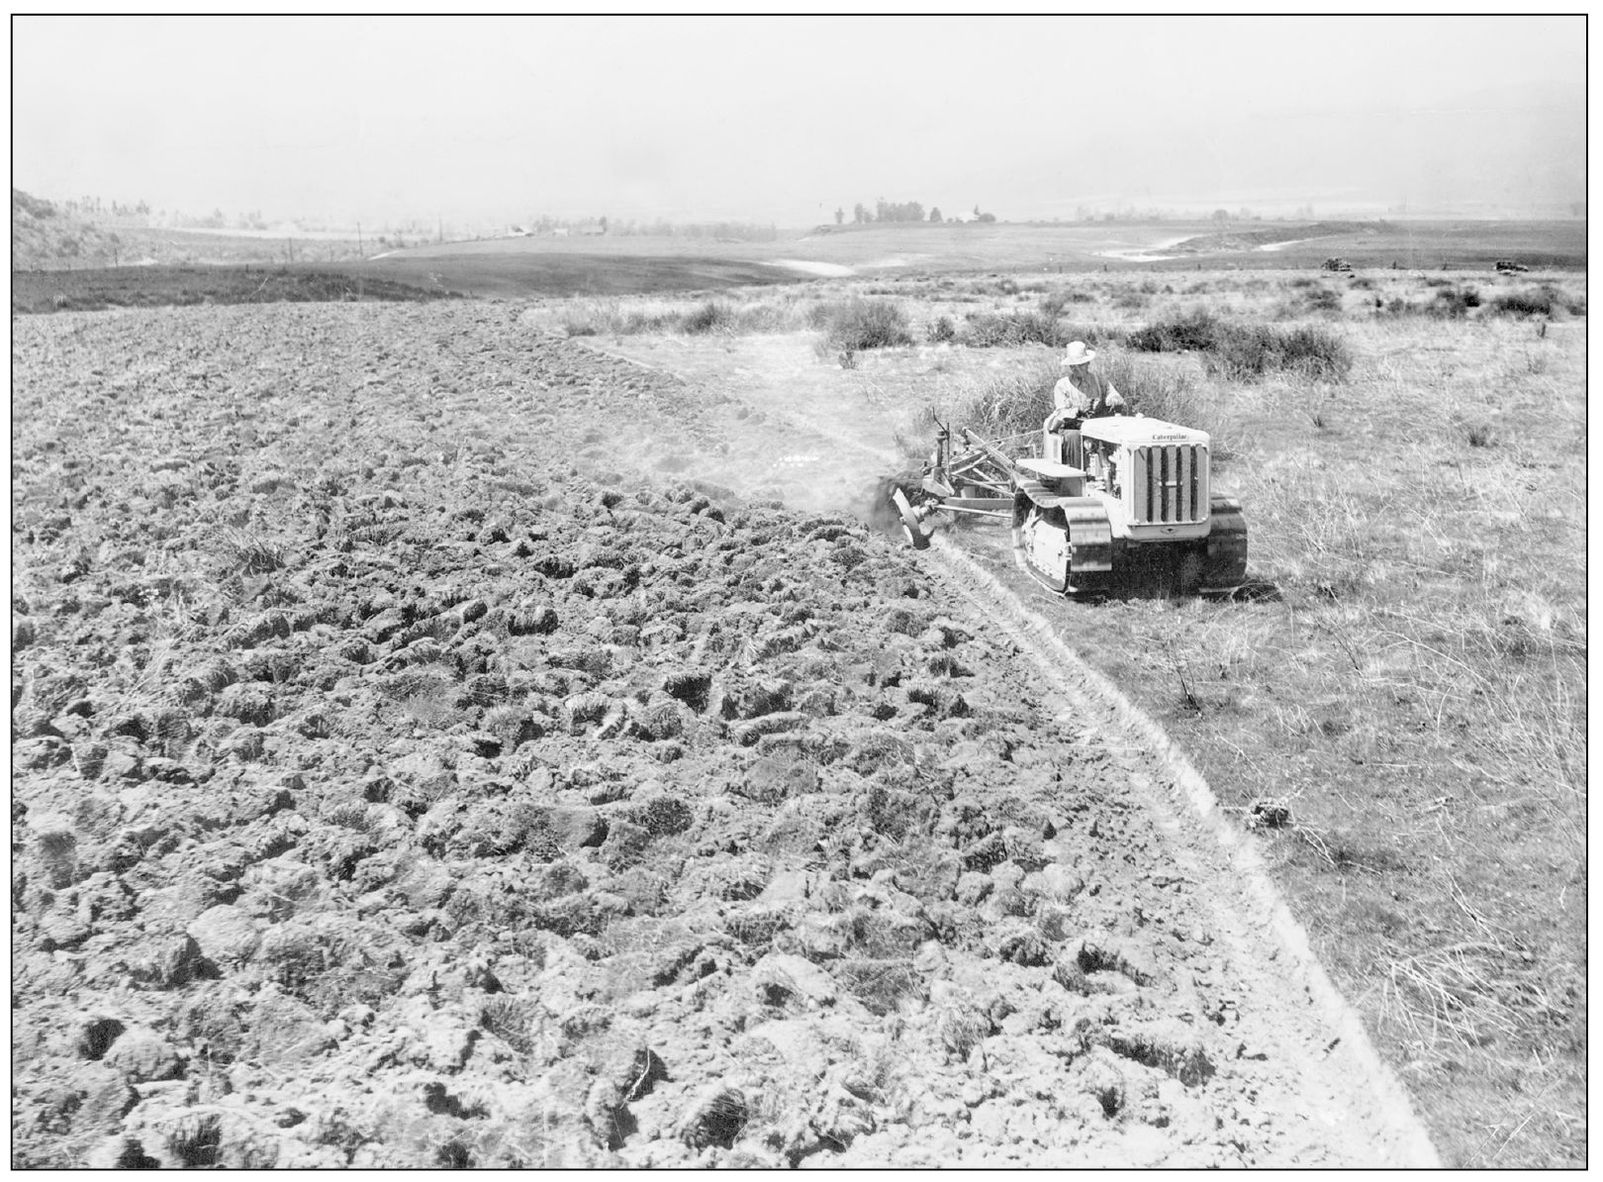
{"points": [[44, 238]]}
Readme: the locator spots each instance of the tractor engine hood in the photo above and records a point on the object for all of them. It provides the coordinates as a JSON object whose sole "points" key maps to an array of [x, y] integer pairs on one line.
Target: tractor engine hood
{"points": [[1140, 431]]}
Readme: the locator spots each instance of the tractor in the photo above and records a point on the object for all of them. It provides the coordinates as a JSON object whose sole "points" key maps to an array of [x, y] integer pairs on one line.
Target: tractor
{"points": [[1114, 499]]}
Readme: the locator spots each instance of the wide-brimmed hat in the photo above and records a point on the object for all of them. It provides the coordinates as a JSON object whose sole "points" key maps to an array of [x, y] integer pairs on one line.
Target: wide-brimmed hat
{"points": [[1077, 353]]}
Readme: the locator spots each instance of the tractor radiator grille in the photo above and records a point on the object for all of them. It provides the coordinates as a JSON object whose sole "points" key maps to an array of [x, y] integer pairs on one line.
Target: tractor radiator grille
{"points": [[1171, 484]]}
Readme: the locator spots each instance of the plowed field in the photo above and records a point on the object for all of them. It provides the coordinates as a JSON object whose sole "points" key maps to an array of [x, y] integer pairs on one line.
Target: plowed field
{"points": [[414, 765]]}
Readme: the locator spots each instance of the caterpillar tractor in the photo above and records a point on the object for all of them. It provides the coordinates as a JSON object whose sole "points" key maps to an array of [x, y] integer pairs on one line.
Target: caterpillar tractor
{"points": [[1115, 502]]}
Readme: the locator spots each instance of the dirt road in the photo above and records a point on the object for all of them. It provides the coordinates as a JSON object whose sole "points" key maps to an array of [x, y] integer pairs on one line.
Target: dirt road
{"points": [[412, 767]]}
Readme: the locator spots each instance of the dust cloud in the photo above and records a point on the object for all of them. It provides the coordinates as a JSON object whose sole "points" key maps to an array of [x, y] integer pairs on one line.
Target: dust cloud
{"points": [[790, 429]]}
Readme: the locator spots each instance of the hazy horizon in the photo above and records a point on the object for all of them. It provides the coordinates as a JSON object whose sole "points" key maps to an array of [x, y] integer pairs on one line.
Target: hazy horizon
{"points": [[785, 120]]}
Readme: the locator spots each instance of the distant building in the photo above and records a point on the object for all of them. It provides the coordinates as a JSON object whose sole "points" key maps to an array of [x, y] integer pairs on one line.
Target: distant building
{"points": [[594, 229], [560, 232]]}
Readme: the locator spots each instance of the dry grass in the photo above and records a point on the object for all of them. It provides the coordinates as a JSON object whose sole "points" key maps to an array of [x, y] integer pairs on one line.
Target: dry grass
{"points": [[1411, 678], [737, 312], [1012, 405]]}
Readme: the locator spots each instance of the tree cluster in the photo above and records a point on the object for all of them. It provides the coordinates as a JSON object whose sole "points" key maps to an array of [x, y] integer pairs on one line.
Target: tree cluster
{"points": [[901, 211], [888, 211], [117, 209]]}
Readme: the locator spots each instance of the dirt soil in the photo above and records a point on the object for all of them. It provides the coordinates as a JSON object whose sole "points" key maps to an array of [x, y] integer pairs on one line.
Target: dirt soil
{"points": [[436, 742]]}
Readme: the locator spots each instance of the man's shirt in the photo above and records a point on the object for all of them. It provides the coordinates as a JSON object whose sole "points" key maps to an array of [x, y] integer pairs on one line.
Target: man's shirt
{"points": [[1098, 398]]}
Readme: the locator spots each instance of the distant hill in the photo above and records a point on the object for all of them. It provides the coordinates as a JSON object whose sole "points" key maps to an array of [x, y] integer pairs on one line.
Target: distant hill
{"points": [[44, 238]]}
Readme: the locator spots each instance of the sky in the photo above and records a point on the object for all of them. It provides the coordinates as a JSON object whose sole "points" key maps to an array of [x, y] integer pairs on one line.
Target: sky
{"points": [[786, 119]]}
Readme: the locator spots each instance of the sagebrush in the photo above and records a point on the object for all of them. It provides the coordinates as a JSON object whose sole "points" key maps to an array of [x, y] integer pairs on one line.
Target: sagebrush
{"points": [[1241, 351], [858, 324]]}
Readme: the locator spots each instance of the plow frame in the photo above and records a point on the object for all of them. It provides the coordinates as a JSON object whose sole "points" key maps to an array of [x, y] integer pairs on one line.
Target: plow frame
{"points": [[978, 481], [981, 469]]}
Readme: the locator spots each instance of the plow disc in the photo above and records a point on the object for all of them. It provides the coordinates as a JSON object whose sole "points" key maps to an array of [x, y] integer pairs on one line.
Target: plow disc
{"points": [[912, 525]]}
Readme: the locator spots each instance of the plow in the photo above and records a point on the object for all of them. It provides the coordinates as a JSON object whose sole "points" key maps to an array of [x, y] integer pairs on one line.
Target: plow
{"points": [[1111, 503]]}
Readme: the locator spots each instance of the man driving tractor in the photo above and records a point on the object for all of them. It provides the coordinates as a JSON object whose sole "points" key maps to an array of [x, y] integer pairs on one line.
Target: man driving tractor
{"points": [[1079, 396]]}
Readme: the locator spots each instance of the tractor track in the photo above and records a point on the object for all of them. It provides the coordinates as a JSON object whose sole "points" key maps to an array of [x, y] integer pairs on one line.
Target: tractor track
{"points": [[1225, 863]]}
